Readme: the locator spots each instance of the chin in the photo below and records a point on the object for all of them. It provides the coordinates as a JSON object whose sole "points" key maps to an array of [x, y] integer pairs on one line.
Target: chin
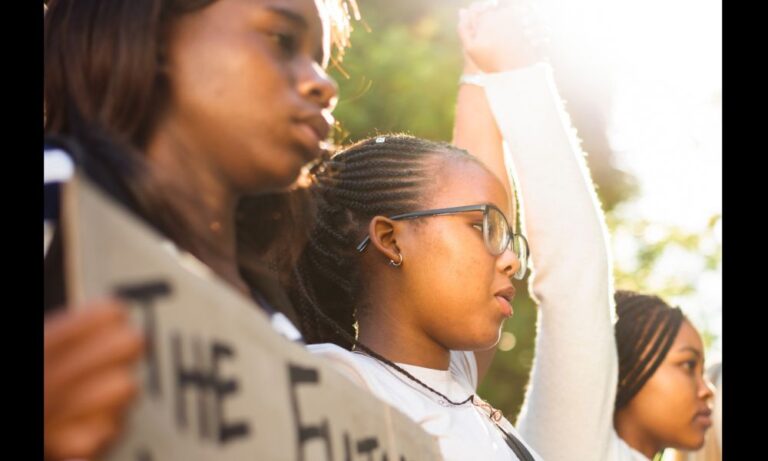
{"points": [[489, 340], [283, 176], [289, 167], [476, 341], [695, 442], [698, 445]]}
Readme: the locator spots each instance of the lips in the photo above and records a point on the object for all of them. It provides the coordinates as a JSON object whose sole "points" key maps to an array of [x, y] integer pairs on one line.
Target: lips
{"points": [[311, 129], [507, 293], [504, 297], [704, 417], [318, 123]]}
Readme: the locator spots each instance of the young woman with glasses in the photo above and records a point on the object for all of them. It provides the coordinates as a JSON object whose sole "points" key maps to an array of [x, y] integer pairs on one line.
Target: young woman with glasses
{"points": [[407, 278]]}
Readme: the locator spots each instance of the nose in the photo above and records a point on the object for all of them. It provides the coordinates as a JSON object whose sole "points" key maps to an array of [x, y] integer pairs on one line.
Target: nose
{"points": [[706, 388], [508, 263], [317, 86]]}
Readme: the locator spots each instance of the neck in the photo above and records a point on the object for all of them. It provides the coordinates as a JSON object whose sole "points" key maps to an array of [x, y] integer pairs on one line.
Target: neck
{"points": [[386, 328], [634, 436], [206, 205]]}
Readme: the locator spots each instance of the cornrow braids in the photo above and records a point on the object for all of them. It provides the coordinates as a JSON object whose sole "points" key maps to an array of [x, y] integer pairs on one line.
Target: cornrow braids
{"points": [[645, 330], [375, 177], [379, 176]]}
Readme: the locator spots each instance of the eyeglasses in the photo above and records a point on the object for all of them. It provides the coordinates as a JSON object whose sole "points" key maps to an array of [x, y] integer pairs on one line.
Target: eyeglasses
{"points": [[497, 234]]}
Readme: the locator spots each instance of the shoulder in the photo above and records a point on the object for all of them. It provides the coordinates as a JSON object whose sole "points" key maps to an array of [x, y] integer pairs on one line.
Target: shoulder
{"points": [[344, 361]]}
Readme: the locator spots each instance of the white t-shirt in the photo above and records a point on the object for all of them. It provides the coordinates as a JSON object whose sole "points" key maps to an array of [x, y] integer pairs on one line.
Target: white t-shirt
{"points": [[464, 432]]}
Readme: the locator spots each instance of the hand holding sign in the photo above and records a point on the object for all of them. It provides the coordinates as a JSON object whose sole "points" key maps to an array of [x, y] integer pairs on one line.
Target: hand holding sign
{"points": [[89, 355]]}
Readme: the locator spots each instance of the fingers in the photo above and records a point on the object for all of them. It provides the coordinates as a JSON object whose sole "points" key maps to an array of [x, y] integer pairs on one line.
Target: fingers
{"points": [[112, 345], [69, 325], [83, 439], [107, 393], [89, 358]]}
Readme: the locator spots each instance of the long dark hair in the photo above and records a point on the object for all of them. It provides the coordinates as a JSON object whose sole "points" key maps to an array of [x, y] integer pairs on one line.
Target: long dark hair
{"points": [[105, 87]]}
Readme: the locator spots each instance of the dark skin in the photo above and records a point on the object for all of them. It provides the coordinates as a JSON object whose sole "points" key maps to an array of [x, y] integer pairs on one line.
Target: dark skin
{"points": [[492, 41], [672, 408], [250, 102], [88, 377], [418, 312]]}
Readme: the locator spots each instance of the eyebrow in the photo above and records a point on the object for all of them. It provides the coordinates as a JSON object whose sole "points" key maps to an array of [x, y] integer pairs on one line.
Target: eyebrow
{"points": [[290, 15], [691, 349], [301, 22]]}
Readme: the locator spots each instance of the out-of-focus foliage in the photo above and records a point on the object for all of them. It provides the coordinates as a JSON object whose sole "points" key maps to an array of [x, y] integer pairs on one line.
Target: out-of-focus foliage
{"points": [[401, 76]]}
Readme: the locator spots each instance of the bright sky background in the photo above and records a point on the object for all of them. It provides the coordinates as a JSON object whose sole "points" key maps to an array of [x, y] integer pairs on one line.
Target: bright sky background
{"points": [[665, 58]]}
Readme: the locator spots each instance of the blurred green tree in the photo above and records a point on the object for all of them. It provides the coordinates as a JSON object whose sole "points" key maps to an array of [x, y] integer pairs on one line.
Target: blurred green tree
{"points": [[400, 75]]}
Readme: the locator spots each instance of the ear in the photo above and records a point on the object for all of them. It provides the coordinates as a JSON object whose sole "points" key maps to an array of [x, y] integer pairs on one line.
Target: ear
{"points": [[383, 232]]}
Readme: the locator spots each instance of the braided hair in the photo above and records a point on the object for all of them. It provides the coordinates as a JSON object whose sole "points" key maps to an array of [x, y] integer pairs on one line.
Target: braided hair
{"points": [[645, 330], [378, 176]]}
